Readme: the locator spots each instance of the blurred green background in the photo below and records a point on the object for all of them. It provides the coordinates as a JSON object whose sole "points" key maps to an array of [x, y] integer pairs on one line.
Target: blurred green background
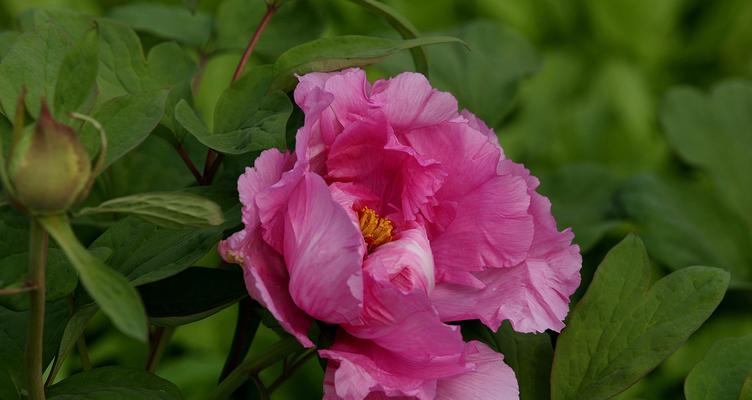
{"points": [[576, 89]]}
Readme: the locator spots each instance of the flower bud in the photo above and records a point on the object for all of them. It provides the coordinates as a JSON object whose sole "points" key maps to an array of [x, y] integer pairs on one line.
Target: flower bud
{"points": [[48, 167]]}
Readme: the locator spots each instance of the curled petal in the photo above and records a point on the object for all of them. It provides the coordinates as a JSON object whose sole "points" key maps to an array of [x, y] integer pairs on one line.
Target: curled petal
{"points": [[266, 171], [410, 102]]}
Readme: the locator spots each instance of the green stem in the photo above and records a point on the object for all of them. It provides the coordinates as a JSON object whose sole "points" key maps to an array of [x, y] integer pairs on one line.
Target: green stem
{"points": [[33, 358], [289, 371], [83, 353], [162, 336], [253, 366]]}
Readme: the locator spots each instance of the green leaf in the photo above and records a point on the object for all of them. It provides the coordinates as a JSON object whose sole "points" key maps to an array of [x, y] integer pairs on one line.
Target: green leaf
{"points": [[127, 120], [485, 79], [14, 232], [169, 22], [746, 392], [192, 295], [722, 374], [78, 74], [74, 328], [714, 133], [146, 253], [246, 117], [108, 383], [6, 42], [679, 232], [33, 62], [338, 52], [167, 209], [114, 294], [401, 25], [60, 278], [623, 328], [295, 22]]}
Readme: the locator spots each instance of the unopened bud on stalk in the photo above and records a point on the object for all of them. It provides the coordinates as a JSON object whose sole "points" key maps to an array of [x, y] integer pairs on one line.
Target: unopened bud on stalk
{"points": [[49, 168]]}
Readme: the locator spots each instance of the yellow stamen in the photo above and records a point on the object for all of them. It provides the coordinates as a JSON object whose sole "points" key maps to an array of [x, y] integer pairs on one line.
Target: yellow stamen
{"points": [[376, 230]]}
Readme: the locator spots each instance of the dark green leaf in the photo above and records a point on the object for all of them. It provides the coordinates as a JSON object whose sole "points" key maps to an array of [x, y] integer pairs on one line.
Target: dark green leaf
{"points": [[60, 278], [167, 209], [127, 121], [110, 383], [78, 74], [6, 42], [485, 79], [170, 22], [191, 295], [721, 375], [112, 292], [623, 328], [145, 253], [14, 232], [74, 328], [335, 53], [714, 133], [679, 232]]}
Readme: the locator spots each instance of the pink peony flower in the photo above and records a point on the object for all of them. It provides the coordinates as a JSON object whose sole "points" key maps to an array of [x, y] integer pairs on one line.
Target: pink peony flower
{"points": [[394, 216]]}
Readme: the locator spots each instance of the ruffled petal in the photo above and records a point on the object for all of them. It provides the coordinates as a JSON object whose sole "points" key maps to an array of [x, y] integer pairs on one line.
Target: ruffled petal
{"points": [[367, 153], [406, 262], [324, 253], [267, 170], [491, 380], [480, 126], [410, 102]]}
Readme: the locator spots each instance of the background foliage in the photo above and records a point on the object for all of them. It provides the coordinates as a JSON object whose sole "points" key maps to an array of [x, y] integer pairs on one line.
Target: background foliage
{"points": [[635, 114]]}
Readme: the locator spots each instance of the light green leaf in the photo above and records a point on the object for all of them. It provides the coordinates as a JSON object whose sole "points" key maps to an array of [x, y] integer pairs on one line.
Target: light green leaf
{"points": [[169, 22], [127, 120], [166, 209], [679, 232], [6, 42], [721, 375], [60, 278], [401, 25], [78, 73], [114, 294], [746, 392], [338, 52], [623, 327], [246, 117], [146, 253], [109, 383], [192, 295], [714, 133]]}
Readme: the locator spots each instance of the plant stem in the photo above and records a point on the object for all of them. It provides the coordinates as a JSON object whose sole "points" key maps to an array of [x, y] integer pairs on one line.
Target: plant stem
{"points": [[16, 290], [253, 366], [83, 353], [189, 163], [287, 372], [159, 344], [245, 330], [213, 158], [37, 261]]}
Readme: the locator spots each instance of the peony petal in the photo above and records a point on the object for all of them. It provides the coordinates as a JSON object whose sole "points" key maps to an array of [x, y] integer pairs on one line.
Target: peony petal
{"points": [[272, 203], [324, 253], [267, 170], [410, 102], [492, 379], [406, 262], [480, 126], [367, 153]]}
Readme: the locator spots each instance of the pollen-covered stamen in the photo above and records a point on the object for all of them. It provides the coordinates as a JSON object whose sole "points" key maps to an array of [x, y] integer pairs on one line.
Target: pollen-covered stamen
{"points": [[376, 230]]}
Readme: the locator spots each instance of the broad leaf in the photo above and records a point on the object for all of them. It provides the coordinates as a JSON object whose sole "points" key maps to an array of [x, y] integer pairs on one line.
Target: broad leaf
{"points": [[60, 278], [78, 73], [623, 327], [679, 232], [191, 295], [338, 52], [722, 374], [108, 383], [714, 133], [74, 328], [114, 294], [166, 209], [169, 22], [146, 253]]}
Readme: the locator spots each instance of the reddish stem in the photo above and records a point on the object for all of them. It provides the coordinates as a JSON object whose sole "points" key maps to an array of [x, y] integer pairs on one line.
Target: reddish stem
{"points": [[189, 163], [214, 158]]}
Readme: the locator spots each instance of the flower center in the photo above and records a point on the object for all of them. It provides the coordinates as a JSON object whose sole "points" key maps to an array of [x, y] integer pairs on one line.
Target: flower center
{"points": [[376, 230]]}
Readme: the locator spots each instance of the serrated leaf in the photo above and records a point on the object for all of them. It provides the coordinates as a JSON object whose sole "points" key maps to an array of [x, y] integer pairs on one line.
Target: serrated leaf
{"points": [[78, 73], [714, 133], [127, 120], [623, 327], [192, 295], [108, 383], [60, 278], [338, 52], [169, 22], [167, 209], [678, 232], [722, 373], [246, 117], [146, 253], [112, 292]]}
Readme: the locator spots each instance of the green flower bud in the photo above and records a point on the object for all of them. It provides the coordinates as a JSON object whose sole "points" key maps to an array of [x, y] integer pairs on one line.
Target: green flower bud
{"points": [[48, 169]]}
